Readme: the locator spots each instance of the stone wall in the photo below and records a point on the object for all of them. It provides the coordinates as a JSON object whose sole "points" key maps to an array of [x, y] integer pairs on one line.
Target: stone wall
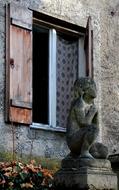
{"points": [[105, 22], [110, 75]]}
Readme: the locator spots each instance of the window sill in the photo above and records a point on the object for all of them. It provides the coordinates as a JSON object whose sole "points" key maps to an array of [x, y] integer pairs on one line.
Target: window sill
{"points": [[47, 127]]}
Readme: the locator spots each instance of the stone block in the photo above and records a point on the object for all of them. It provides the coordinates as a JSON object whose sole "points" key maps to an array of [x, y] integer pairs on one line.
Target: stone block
{"points": [[97, 176], [85, 178]]}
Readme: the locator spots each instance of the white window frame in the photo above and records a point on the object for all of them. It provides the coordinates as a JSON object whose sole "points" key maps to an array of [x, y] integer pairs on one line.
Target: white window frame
{"points": [[52, 77], [52, 80]]}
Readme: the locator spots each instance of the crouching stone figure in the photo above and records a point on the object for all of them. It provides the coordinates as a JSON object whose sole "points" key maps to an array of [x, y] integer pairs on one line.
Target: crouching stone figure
{"points": [[86, 166], [82, 125]]}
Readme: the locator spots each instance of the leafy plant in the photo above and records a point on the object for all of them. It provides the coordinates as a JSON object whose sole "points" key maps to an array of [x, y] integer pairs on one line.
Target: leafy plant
{"points": [[19, 176]]}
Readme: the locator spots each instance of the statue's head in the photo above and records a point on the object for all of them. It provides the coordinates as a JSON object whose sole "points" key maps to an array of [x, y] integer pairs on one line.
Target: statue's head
{"points": [[85, 87]]}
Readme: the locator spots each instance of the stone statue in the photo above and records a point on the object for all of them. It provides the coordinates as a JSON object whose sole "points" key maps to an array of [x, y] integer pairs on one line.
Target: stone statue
{"points": [[86, 167], [82, 125]]}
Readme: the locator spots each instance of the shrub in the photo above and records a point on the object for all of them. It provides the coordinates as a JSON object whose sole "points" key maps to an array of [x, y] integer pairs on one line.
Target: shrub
{"points": [[20, 176]]}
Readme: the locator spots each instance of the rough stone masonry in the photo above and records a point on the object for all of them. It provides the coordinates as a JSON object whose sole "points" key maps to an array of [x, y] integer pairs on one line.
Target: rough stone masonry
{"points": [[105, 22]]}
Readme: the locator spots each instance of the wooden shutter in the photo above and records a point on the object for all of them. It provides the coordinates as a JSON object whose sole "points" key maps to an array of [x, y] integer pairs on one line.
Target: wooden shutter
{"points": [[88, 46], [18, 64]]}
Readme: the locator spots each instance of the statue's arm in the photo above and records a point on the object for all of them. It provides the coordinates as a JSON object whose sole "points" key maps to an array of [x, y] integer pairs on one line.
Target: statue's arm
{"points": [[80, 116], [83, 118], [95, 119], [91, 114]]}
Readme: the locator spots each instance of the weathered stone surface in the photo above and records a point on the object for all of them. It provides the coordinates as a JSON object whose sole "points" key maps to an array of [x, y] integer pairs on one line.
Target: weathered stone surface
{"points": [[105, 23], [98, 150], [77, 163], [80, 170], [85, 178], [82, 173], [85, 174], [82, 125]]}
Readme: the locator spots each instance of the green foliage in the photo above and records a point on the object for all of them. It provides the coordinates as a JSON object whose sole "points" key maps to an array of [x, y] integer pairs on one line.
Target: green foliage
{"points": [[19, 176], [6, 156]]}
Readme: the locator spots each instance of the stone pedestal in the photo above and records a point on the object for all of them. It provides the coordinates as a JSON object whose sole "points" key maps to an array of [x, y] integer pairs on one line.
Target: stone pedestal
{"points": [[84, 174]]}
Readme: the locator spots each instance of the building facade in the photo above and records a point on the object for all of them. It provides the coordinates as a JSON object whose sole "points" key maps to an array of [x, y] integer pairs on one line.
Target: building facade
{"points": [[53, 50]]}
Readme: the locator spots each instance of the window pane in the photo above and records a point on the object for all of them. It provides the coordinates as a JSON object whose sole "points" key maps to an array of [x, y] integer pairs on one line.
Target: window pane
{"points": [[66, 74], [40, 75]]}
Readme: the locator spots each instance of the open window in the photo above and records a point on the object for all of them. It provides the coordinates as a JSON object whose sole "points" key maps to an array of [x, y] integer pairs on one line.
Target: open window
{"points": [[44, 56]]}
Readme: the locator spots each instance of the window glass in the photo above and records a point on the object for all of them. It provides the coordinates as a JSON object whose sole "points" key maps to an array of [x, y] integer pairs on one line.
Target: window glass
{"points": [[66, 72], [40, 75]]}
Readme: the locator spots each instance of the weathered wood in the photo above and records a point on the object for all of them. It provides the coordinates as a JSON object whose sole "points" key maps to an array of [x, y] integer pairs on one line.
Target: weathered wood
{"points": [[20, 16], [19, 69], [7, 63], [62, 29], [88, 46], [41, 16], [19, 115], [21, 104], [92, 53]]}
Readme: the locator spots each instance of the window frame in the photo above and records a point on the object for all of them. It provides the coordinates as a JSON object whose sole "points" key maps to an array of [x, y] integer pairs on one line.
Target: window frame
{"points": [[54, 27]]}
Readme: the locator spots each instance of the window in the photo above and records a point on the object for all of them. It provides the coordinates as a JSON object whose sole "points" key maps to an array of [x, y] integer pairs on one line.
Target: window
{"points": [[40, 75], [44, 57]]}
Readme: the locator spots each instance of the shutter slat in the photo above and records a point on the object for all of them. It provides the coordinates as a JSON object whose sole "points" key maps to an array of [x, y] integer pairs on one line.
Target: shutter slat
{"points": [[20, 16], [7, 64], [20, 67], [19, 115], [17, 103], [88, 46]]}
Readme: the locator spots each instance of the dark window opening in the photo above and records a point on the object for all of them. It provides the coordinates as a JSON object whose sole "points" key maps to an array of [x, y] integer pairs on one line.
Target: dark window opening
{"points": [[40, 74]]}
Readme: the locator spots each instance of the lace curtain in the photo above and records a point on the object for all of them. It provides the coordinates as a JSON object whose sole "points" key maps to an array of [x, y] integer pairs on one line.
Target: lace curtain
{"points": [[67, 72]]}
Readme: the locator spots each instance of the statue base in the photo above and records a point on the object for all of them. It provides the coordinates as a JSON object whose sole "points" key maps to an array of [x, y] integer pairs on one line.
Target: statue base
{"points": [[77, 174]]}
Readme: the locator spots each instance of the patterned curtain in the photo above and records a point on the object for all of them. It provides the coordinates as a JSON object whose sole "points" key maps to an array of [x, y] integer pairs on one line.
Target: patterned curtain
{"points": [[67, 72]]}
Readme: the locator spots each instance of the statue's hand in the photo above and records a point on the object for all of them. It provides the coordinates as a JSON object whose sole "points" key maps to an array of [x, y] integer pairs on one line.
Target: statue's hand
{"points": [[91, 113], [93, 109]]}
